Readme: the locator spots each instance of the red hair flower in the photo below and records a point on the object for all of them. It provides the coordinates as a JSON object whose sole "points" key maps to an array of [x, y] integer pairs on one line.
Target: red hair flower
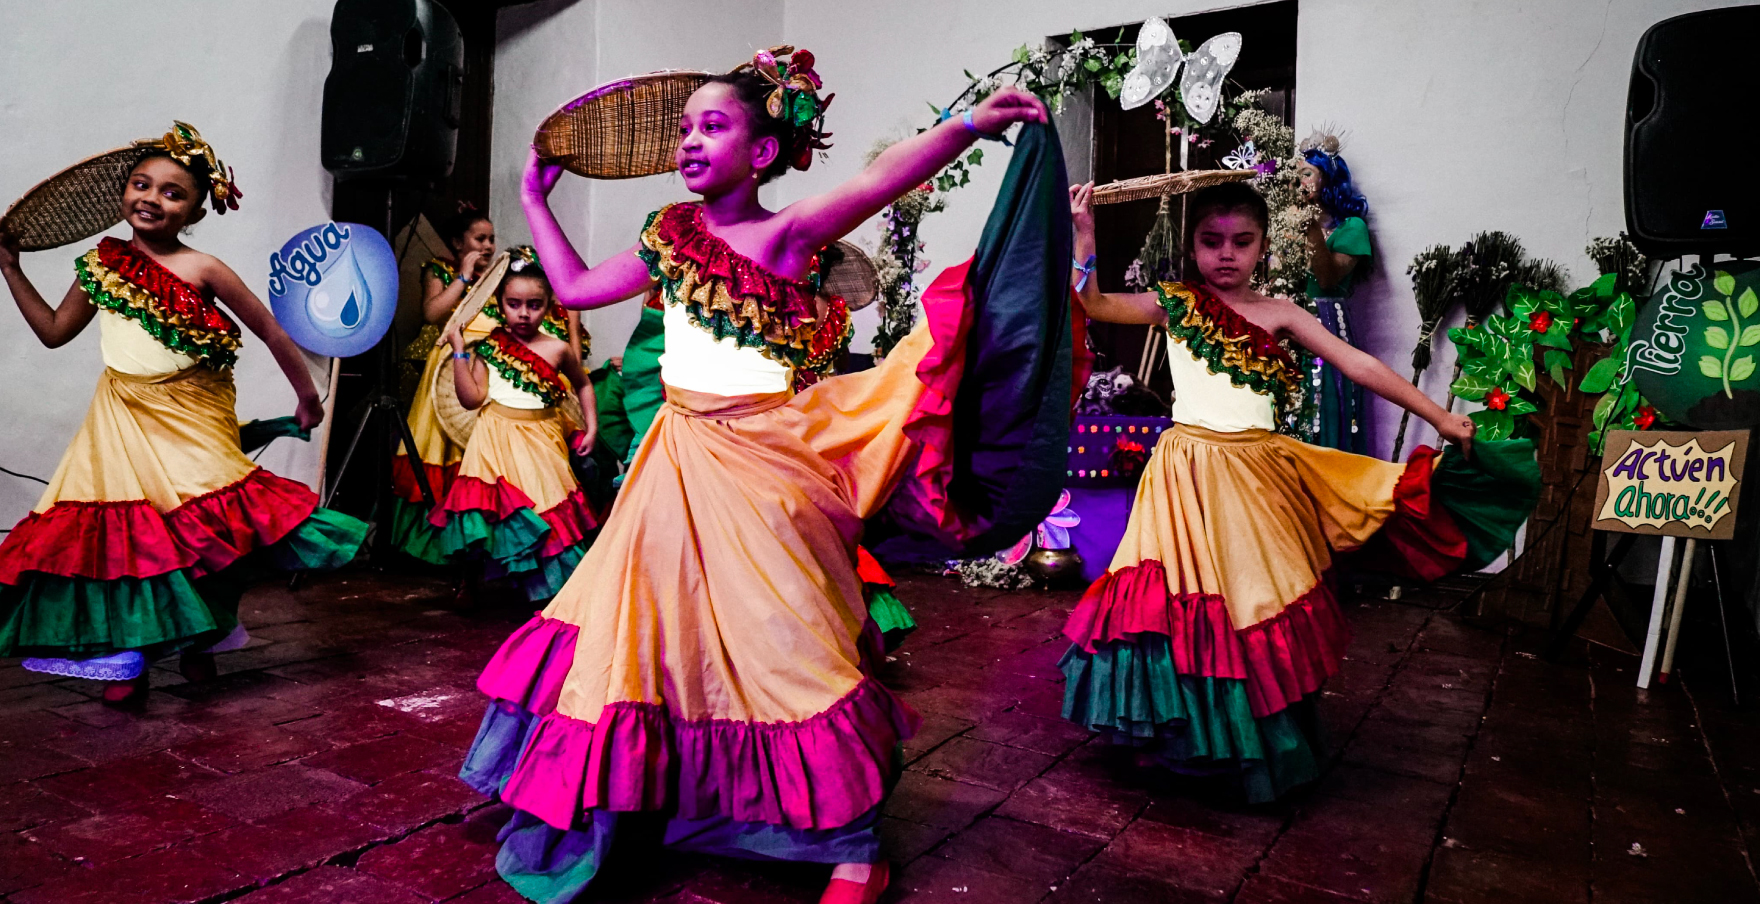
{"points": [[1645, 418], [1541, 321], [1497, 399]]}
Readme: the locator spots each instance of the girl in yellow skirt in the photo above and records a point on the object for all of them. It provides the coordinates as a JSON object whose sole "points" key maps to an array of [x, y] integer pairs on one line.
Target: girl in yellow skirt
{"points": [[471, 237], [138, 545], [1217, 620], [515, 500], [707, 662]]}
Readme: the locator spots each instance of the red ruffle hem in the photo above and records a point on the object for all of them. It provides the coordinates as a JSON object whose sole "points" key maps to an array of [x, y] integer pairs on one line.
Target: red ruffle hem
{"points": [[820, 773], [569, 520], [1281, 659], [108, 541], [403, 479]]}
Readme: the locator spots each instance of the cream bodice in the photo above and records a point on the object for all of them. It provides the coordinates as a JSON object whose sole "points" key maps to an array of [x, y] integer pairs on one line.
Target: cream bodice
{"points": [[699, 362], [128, 347], [1211, 400], [503, 392]]}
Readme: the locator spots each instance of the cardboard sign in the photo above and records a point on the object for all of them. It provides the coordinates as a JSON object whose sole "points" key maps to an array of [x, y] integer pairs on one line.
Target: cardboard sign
{"points": [[1671, 483]]}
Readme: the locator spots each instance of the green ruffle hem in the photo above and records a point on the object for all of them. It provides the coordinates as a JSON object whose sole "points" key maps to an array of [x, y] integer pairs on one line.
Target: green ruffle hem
{"points": [[1192, 723], [510, 548], [51, 615]]}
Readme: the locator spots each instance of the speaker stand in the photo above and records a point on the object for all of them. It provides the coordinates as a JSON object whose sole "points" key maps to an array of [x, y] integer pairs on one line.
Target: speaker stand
{"points": [[381, 402]]}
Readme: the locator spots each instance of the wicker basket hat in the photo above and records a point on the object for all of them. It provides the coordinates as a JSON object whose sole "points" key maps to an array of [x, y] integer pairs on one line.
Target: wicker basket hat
{"points": [[1165, 184], [86, 198], [76, 203], [852, 278], [621, 130]]}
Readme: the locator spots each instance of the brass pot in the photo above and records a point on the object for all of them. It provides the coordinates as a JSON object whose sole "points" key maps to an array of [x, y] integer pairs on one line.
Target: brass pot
{"points": [[1055, 566]]}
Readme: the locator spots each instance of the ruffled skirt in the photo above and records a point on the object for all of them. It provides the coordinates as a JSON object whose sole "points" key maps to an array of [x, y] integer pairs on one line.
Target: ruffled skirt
{"points": [[141, 541], [515, 503], [1218, 621], [436, 455]]}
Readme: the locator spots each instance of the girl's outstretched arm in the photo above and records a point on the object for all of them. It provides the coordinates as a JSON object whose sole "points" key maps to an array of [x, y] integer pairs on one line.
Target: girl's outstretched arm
{"points": [[576, 285], [55, 326], [818, 221], [1106, 307], [1368, 371], [470, 373], [256, 317]]}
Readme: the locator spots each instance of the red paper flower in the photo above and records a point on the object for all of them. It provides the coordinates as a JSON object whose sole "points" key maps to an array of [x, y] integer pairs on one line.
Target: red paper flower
{"points": [[1496, 399], [1645, 418], [1541, 321]]}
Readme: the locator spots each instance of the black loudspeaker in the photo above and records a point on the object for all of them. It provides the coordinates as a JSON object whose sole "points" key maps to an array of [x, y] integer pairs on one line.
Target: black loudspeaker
{"points": [[1690, 130], [392, 99]]}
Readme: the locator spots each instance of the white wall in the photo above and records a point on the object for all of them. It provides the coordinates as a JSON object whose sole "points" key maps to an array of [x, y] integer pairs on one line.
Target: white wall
{"points": [[89, 76], [1461, 116], [553, 51]]}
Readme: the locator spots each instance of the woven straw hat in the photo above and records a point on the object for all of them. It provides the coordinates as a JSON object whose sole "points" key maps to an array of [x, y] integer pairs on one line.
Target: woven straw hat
{"points": [[76, 203], [623, 129], [1166, 184], [853, 279], [457, 420]]}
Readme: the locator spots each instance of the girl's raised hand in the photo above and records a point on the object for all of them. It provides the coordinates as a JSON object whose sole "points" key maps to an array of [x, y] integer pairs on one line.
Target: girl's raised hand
{"points": [[1081, 207], [472, 265], [1458, 429], [8, 251], [540, 176], [1007, 107]]}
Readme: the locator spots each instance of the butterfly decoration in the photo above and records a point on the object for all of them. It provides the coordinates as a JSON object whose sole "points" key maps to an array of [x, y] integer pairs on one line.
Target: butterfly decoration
{"points": [[1244, 157], [1159, 59], [1052, 533], [1158, 62]]}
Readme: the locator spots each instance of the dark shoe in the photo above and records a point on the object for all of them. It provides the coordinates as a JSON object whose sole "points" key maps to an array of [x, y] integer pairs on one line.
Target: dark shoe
{"points": [[132, 692], [197, 667]]}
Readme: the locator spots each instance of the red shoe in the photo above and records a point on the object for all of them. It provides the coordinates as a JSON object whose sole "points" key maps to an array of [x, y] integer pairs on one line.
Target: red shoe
{"points": [[197, 667], [126, 693], [843, 891]]}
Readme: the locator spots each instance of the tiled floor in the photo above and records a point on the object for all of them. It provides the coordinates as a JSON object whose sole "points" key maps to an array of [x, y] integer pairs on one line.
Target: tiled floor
{"points": [[320, 768]]}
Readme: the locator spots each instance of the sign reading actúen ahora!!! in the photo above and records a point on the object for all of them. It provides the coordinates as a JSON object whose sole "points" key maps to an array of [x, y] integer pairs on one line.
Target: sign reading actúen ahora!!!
{"points": [[1673, 483]]}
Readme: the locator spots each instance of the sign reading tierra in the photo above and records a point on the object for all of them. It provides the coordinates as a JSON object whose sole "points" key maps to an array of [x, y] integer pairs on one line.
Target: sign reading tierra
{"points": [[1680, 484]]}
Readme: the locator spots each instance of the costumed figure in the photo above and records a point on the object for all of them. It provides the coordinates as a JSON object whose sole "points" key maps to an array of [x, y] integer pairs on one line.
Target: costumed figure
{"points": [[706, 670], [471, 236], [515, 503], [142, 543], [1216, 624], [1338, 254]]}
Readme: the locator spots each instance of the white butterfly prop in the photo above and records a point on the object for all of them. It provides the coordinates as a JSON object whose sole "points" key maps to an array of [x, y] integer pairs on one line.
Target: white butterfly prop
{"points": [[1244, 157], [1159, 59], [1201, 86]]}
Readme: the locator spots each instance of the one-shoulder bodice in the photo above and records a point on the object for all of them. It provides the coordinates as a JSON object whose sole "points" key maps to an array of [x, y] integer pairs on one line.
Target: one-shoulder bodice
{"points": [[1228, 373], [150, 320]]}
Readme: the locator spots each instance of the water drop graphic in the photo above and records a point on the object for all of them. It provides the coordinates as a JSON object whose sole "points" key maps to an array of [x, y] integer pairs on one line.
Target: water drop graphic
{"points": [[345, 283]]}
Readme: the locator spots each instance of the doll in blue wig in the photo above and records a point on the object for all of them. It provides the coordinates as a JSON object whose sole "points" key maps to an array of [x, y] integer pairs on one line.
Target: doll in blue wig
{"points": [[1338, 255]]}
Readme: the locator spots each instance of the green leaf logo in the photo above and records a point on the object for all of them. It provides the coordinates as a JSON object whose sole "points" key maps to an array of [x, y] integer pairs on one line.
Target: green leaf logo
{"points": [[1717, 337], [1724, 282], [1742, 369], [1711, 367], [1714, 310], [1748, 304], [1751, 335]]}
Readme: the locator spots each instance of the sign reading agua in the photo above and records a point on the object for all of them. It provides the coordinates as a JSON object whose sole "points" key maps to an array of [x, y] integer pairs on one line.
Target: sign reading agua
{"points": [[333, 287], [1676, 484]]}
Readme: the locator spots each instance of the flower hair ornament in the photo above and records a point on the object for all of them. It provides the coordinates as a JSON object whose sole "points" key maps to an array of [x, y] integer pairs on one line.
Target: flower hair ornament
{"points": [[523, 259], [795, 98], [185, 145], [1322, 140]]}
